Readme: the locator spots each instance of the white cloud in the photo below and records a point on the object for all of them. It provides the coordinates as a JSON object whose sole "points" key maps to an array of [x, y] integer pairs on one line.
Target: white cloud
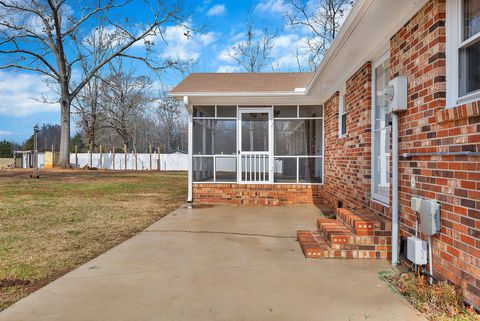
{"points": [[181, 42], [228, 68], [185, 47], [217, 10], [18, 92], [274, 6], [6, 133]]}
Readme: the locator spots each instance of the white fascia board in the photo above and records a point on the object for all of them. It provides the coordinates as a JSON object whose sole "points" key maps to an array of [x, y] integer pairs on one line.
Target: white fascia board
{"points": [[239, 94]]}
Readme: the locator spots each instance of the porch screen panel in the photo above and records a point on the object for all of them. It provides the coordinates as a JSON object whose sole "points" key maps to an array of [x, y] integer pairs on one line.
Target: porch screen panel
{"points": [[299, 146], [214, 143]]}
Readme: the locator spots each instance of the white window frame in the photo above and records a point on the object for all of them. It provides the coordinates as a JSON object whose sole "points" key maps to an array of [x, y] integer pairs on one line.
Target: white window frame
{"points": [[454, 35], [374, 196], [342, 110]]}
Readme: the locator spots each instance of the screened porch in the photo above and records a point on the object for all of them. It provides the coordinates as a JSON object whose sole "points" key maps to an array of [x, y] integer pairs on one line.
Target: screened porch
{"points": [[280, 144]]}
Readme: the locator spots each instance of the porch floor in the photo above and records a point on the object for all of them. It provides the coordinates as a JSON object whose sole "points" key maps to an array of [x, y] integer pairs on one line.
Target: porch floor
{"points": [[219, 263]]}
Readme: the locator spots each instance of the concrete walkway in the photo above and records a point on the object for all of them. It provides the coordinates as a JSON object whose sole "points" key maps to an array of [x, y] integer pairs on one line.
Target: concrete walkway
{"points": [[220, 263]]}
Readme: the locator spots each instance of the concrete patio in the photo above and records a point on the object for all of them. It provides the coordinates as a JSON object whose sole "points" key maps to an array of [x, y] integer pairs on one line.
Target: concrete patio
{"points": [[219, 263]]}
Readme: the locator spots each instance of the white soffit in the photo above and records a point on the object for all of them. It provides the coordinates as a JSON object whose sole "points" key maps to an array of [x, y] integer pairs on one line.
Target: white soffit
{"points": [[364, 37]]}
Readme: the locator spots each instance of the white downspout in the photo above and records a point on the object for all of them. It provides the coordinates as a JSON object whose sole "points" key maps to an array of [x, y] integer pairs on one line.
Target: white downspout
{"points": [[394, 188], [190, 149]]}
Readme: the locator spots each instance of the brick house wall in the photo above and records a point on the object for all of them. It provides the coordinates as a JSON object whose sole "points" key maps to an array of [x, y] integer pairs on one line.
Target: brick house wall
{"points": [[348, 159], [258, 194], [418, 52]]}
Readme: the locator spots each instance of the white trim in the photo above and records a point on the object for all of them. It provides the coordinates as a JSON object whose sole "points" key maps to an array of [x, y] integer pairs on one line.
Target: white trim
{"points": [[374, 196], [341, 111], [190, 152], [454, 42], [238, 94]]}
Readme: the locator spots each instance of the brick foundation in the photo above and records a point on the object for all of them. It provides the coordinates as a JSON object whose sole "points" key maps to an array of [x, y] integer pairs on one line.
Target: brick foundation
{"points": [[258, 194]]}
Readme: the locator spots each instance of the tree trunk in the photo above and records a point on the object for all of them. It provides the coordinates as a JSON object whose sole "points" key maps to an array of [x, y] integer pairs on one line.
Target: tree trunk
{"points": [[64, 159]]}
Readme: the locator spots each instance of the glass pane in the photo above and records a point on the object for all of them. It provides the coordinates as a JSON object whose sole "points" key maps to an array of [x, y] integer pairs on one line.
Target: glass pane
{"points": [[381, 134], [469, 69], [254, 132], [203, 136], [471, 16], [298, 137], [382, 115], [285, 111], [202, 169], [214, 136], [225, 137], [344, 124], [226, 169], [203, 111], [311, 111], [285, 169], [310, 170], [382, 162], [227, 111]]}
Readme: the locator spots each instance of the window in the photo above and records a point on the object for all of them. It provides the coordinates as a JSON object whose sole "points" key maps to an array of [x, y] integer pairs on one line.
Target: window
{"points": [[298, 144], [214, 143], [381, 131], [342, 116], [463, 51]]}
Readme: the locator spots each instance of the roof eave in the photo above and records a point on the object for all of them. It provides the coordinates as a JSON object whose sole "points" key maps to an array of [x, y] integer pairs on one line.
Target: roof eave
{"points": [[238, 94]]}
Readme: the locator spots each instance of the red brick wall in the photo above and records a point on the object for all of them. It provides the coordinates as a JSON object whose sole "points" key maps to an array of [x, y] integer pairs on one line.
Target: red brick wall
{"points": [[418, 51], [348, 159], [257, 194]]}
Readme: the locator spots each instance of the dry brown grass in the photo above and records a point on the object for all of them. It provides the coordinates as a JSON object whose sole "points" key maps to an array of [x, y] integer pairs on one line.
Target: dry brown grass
{"points": [[49, 226], [439, 302], [4, 162]]}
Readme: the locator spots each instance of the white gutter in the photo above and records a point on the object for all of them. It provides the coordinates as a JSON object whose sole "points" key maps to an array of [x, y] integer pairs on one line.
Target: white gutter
{"points": [[394, 188], [190, 149]]}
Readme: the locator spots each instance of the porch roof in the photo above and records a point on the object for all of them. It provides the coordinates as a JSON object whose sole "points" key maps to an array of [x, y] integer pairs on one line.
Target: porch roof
{"points": [[222, 83]]}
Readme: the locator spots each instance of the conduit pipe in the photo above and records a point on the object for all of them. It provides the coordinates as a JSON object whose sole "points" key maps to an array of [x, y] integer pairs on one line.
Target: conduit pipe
{"points": [[394, 188]]}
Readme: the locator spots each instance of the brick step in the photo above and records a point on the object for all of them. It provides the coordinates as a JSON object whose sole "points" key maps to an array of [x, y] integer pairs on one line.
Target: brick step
{"points": [[361, 222], [339, 237], [314, 246], [333, 232]]}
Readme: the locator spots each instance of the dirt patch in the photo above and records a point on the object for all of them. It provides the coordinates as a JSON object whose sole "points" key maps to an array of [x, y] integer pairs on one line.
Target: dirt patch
{"points": [[7, 283]]}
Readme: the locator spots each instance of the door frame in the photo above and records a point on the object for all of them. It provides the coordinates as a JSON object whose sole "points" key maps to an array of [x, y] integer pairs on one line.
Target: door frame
{"points": [[245, 110]]}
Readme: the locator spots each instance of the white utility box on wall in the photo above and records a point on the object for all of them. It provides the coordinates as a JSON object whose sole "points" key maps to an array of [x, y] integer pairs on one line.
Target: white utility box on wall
{"points": [[396, 93], [417, 250]]}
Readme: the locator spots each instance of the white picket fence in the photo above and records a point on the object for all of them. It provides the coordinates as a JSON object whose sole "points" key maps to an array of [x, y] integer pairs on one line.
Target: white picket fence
{"points": [[166, 162]]}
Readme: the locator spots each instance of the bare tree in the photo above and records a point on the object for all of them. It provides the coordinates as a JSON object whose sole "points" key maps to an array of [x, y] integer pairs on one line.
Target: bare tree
{"points": [[125, 97], [172, 122], [86, 103], [322, 23], [47, 37], [255, 52]]}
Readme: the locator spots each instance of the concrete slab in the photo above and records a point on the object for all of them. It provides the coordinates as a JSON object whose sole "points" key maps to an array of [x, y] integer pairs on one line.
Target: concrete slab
{"points": [[220, 263]]}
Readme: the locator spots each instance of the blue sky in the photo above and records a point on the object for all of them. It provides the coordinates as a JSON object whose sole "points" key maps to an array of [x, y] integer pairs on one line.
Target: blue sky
{"points": [[224, 24]]}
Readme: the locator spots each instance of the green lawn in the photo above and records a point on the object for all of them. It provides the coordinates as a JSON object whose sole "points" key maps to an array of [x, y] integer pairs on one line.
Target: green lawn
{"points": [[50, 225]]}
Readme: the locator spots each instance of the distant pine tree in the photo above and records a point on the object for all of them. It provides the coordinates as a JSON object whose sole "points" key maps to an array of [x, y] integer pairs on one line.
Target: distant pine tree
{"points": [[6, 149]]}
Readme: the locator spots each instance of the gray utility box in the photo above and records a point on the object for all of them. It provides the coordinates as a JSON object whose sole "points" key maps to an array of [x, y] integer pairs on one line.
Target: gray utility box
{"points": [[430, 216]]}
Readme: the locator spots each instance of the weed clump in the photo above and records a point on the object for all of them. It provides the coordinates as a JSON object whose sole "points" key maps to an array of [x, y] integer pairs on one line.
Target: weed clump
{"points": [[440, 301]]}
